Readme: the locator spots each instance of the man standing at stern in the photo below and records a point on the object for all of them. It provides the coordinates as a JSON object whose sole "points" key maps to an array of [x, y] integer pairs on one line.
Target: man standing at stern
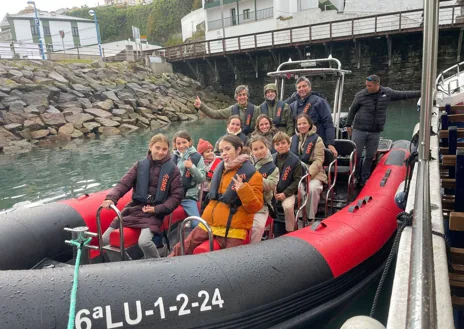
{"points": [[369, 112]]}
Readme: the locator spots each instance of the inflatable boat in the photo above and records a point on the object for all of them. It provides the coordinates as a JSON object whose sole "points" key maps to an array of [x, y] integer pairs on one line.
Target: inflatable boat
{"points": [[297, 280]]}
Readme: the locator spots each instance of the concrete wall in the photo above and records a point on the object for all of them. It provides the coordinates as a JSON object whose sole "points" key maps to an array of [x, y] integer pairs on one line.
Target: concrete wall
{"points": [[189, 22], [158, 68], [403, 74], [87, 33]]}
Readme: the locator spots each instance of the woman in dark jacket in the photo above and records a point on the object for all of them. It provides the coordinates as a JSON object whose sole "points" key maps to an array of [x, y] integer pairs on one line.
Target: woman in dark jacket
{"points": [[157, 192]]}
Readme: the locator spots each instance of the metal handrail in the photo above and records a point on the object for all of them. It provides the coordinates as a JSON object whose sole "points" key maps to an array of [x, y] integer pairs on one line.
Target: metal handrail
{"points": [[121, 231], [421, 310], [334, 163], [301, 207], [205, 224]]}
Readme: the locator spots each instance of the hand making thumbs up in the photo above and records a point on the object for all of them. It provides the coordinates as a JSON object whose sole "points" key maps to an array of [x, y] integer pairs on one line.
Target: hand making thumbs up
{"points": [[197, 103]]}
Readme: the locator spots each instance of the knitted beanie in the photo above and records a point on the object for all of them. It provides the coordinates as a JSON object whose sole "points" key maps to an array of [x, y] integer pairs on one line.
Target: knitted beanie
{"points": [[203, 145]]}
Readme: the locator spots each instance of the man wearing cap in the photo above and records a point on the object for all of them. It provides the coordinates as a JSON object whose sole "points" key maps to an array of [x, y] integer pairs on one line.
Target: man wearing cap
{"points": [[277, 110], [318, 110], [369, 112], [247, 111]]}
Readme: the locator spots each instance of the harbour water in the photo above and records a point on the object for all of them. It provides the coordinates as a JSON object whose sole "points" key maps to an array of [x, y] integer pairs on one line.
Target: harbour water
{"points": [[46, 175]]}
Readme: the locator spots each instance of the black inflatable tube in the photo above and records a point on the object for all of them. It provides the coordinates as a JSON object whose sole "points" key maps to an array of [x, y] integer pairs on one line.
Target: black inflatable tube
{"points": [[267, 285], [321, 312], [35, 234]]}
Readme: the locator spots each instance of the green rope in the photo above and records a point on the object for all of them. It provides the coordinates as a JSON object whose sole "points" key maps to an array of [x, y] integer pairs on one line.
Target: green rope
{"points": [[72, 305]]}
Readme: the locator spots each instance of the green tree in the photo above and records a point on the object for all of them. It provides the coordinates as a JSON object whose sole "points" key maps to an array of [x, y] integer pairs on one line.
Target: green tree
{"points": [[165, 18]]}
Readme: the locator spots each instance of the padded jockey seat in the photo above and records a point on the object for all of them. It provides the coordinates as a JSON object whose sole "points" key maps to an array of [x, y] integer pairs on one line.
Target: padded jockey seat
{"points": [[346, 156], [204, 247], [131, 237]]}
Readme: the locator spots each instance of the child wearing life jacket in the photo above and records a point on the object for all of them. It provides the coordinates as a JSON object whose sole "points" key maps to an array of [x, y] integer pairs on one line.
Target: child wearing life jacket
{"points": [[236, 195], [310, 149], [192, 170], [211, 161], [264, 163], [157, 192], [291, 171]]}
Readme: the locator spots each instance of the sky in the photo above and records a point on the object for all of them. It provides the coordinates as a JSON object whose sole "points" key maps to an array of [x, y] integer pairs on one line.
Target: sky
{"points": [[13, 7]]}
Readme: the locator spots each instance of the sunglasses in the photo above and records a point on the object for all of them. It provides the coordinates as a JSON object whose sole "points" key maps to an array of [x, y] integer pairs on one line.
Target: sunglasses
{"points": [[371, 79]]}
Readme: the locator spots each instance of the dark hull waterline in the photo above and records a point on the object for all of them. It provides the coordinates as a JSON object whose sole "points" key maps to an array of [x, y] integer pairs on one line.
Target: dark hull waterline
{"points": [[297, 277]]}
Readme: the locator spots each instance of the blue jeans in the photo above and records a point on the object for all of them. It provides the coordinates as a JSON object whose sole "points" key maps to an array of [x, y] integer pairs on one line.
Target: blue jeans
{"points": [[191, 209], [370, 141]]}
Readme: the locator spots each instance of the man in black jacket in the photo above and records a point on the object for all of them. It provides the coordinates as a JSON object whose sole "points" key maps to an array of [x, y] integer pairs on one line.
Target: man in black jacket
{"points": [[369, 112]]}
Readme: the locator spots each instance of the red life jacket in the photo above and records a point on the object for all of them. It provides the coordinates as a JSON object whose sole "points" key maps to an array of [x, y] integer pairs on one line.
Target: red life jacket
{"points": [[210, 173]]}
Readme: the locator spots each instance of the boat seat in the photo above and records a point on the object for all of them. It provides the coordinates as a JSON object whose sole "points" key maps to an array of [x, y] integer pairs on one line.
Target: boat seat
{"points": [[346, 159], [204, 247], [131, 237]]}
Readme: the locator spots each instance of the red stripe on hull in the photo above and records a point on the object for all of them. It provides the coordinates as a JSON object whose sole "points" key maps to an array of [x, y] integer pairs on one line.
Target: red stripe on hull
{"points": [[352, 237]]}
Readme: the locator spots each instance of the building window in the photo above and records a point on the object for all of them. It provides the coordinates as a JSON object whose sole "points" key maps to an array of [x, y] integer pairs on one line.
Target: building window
{"points": [[34, 29], [46, 30], [49, 47], [75, 31], [246, 14]]}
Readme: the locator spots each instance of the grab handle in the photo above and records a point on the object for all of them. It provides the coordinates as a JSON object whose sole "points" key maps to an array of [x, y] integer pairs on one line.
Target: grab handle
{"points": [[121, 231], [208, 229]]}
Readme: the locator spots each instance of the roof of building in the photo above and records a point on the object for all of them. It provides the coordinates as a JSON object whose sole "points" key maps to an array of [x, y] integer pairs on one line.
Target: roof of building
{"points": [[42, 15], [110, 49]]}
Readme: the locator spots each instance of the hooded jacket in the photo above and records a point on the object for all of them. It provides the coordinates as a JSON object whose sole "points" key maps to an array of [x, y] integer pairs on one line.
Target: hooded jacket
{"points": [[132, 213], [198, 171], [269, 182]]}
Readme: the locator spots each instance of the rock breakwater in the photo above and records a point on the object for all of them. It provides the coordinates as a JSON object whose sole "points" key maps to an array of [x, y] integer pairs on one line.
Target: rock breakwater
{"points": [[45, 103]]}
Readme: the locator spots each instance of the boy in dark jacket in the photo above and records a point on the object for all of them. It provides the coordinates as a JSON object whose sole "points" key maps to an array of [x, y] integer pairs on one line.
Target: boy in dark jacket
{"points": [[291, 171]]}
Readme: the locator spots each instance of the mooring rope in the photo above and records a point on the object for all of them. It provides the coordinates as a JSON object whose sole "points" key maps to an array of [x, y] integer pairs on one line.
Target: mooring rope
{"points": [[72, 303]]}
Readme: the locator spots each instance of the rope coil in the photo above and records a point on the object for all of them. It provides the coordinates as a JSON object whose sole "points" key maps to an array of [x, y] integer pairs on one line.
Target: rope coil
{"points": [[72, 303]]}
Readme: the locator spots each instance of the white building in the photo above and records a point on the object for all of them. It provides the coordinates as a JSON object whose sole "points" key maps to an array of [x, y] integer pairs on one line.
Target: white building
{"points": [[23, 31], [243, 17]]}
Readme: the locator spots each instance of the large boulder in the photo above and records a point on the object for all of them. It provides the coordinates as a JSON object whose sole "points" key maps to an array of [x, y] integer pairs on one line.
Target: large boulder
{"points": [[109, 131], [17, 107], [98, 64], [54, 119], [119, 112], [67, 97], [127, 128], [107, 122], [78, 119], [85, 103], [155, 125], [14, 127], [17, 147], [58, 77], [91, 125], [99, 113], [66, 129], [110, 95], [72, 111], [106, 105], [38, 134], [9, 118], [38, 98], [34, 123]]}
